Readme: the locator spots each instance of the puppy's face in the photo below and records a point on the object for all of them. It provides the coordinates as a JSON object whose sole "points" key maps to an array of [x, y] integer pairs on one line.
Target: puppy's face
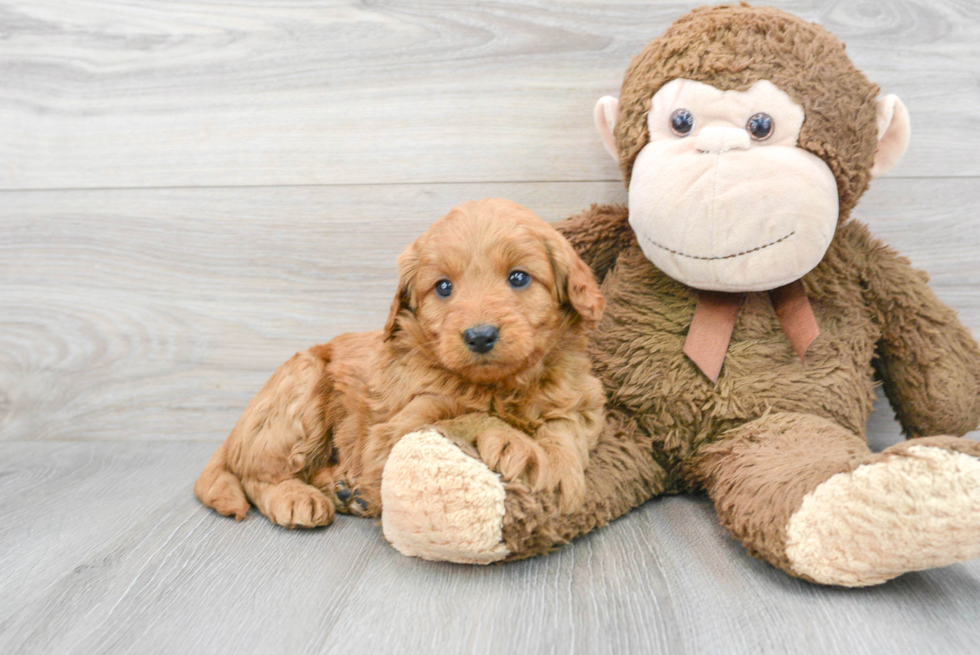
{"points": [[490, 288]]}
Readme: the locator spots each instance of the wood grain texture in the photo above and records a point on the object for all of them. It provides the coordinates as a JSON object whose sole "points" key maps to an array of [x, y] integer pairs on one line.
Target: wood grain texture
{"points": [[246, 172], [151, 93], [105, 550], [157, 314]]}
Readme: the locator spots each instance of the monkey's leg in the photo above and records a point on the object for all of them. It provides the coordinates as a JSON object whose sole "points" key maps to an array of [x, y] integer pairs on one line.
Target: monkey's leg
{"points": [[807, 496], [442, 503]]}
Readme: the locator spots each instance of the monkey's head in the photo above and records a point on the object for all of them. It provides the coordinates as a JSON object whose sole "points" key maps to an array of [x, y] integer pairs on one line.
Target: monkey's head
{"points": [[745, 135]]}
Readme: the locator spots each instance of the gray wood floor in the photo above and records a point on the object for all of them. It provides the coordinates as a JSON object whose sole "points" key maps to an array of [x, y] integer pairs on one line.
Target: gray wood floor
{"points": [[190, 192]]}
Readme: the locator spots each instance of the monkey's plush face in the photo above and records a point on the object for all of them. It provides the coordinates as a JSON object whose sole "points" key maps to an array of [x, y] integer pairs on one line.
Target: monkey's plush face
{"points": [[721, 198]]}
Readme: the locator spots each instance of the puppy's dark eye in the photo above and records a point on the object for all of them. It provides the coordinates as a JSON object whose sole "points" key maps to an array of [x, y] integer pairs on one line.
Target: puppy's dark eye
{"points": [[444, 288], [760, 126], [518, 279], [681, 122]]}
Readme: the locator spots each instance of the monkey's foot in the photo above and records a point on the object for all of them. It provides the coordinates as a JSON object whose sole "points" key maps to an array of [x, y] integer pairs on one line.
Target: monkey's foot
{"points": [[917, 506], [440, 504]]}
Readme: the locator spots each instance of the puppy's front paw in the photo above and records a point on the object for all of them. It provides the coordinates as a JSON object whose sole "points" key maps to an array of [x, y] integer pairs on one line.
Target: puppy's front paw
{"points": [[293, 504], [571, 490], [514, 455], [567, 478]]}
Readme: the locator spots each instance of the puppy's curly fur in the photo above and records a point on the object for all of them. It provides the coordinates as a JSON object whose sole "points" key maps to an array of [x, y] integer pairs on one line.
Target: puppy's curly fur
{"points": [[315, 439]]}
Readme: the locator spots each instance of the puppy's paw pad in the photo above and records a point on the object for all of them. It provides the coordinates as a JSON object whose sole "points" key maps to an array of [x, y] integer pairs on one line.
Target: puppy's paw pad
{"points": [[342, 491], [358, 504]]}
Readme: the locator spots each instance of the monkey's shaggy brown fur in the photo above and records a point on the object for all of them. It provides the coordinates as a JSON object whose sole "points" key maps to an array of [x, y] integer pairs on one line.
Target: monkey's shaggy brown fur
{"points": [[773, 428], [733, 47]]}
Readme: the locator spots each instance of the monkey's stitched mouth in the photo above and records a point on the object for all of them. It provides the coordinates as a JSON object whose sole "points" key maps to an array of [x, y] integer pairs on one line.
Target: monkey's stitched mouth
{"points": [[717, 257]]}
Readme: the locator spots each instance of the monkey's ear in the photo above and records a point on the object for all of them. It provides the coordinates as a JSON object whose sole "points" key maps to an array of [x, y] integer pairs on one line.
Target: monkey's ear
{"points": [[893, 134], [605, 113], [408, 264]]}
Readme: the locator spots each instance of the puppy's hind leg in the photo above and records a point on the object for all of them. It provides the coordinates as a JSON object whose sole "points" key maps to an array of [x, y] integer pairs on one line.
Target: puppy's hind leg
{"points": [[220, 489], [266, 455], [291, 503]]}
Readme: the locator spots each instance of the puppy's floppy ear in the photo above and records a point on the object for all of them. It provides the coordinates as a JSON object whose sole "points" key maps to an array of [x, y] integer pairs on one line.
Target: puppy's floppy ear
{"points": [[408, 265], [574, 281]]}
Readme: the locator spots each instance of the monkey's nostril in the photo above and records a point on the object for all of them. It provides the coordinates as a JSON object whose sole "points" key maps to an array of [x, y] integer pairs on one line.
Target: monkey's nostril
{"points": [[480, 338]]}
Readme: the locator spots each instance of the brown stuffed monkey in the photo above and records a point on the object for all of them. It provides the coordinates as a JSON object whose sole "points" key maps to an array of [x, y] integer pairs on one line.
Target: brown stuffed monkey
{"points": [[748, 320]]}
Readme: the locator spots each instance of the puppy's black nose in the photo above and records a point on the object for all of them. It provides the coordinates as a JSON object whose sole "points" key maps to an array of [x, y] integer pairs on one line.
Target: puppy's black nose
{"points": [[480, 339]]}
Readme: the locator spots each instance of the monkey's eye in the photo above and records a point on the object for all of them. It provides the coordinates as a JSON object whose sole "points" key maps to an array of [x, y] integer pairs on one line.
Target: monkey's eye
{"points": [[444, 288], [518, 279], [681, 122], [760, 126]]}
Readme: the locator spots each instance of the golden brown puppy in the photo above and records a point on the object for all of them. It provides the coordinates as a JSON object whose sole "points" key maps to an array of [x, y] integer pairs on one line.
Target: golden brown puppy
{"points": [[485, 339]]}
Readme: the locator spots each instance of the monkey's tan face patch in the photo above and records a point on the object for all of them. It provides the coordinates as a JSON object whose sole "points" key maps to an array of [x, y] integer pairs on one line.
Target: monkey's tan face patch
{"points": [[721, 198]]}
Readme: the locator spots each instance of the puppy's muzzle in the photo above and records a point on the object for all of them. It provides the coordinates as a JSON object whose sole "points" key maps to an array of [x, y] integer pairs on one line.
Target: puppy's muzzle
{"points": [[481, 338]]}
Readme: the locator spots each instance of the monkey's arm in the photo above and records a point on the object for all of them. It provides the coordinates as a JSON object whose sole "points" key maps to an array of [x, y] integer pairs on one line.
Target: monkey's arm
{"points": [[598, 235], [928, 361]]}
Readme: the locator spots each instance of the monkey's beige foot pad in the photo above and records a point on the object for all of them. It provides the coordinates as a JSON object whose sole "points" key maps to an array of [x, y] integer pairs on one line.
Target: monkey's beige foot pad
{"points": [[440, 504], [907, 512]]}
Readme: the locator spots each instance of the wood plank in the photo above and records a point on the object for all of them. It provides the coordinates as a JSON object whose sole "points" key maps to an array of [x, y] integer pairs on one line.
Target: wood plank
{"points": [[104, 549], [143, 93], [156, 314], [113, 531], [727, 601]]}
